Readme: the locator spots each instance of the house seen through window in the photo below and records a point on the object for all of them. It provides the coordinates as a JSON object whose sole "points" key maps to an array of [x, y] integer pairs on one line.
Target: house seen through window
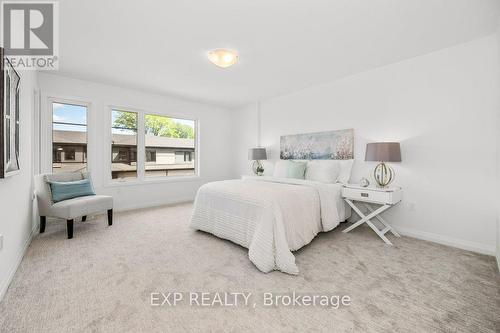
{"points": [[69, 137], [169, 145], [123, 144], [166, 139]]}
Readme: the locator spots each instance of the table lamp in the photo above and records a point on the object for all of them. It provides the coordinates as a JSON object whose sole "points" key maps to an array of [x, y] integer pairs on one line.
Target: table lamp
{"points": [[383, 152], [256, 155]]}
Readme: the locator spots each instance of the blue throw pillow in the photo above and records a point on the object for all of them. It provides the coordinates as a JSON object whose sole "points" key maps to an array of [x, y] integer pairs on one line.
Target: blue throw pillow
{"points": [[69, 190]]}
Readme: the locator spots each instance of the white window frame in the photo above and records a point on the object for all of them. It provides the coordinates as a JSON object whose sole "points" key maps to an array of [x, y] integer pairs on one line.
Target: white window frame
{"points": [[141, 149], [46, 123]]}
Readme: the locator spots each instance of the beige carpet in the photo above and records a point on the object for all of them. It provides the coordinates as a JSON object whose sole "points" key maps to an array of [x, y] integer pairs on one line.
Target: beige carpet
{"points": [[101, 281]]}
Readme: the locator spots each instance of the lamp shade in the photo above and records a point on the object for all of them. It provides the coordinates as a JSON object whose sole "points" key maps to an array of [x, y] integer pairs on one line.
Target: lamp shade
{"points": [[255, 154], [383, 152]]}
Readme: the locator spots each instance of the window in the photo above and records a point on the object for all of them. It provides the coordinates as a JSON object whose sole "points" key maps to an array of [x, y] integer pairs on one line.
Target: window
{"points": [[167, 141], [56, 155], [182, 157], [123, 144], [150, 155], [69, 154], [69, 137], [124, 155], [169, 145]]}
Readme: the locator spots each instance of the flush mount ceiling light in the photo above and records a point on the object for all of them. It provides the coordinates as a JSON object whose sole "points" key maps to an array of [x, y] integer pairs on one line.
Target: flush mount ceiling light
{"points": [[223, 57]]}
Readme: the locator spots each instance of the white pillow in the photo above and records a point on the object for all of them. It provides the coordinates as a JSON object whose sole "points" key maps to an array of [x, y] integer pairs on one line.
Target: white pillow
{"points": [[325, 171], [280, 169], [289, 169], [345, 171]]}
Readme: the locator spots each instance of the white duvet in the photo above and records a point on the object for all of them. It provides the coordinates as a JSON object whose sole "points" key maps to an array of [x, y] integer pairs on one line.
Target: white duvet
{"points": [[269, 216]]}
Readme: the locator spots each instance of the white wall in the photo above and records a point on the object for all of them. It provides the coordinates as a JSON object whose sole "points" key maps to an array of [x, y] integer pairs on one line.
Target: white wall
{"points": [[498, 153], [16, 220], [215, 138], [442, 107]]}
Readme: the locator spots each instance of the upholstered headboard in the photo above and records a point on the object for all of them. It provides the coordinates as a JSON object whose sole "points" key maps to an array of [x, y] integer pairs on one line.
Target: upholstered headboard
{"points": [[330, 145]]}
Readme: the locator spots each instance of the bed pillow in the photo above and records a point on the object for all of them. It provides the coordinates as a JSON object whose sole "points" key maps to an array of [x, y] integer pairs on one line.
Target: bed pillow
{"points": [[325, 171], [345, 171], [69, 190], [289, 169]]}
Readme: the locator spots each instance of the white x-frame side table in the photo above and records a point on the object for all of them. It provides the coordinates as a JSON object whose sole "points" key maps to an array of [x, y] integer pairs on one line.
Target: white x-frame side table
{"points": [[385, 197]]}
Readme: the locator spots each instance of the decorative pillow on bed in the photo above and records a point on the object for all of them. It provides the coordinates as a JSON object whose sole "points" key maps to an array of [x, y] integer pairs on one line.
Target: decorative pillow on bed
{"points": [[289, 169], [325, 171], [345, 171]]}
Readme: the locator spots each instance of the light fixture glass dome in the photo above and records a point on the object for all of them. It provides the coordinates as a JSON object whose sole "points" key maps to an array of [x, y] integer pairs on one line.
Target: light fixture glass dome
{"points": [[223, 57]]}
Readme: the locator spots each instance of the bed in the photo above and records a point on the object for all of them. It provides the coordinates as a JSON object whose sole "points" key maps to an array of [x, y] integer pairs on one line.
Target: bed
{"points": [[270, 216], [274, 216]]}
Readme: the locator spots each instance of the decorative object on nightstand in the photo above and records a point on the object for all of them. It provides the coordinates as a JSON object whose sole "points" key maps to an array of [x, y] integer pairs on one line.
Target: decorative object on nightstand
{"points": [[383, 152], [386, 197], [256, 155], [364, 182]]}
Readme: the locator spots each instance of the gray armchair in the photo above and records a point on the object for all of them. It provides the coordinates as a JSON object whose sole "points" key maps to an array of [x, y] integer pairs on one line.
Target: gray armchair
{"points": [[72, 208]]}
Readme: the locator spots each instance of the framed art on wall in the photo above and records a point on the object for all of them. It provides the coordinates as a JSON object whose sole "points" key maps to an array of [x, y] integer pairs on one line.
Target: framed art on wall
{"points": [[329, 145], [9, 118]]}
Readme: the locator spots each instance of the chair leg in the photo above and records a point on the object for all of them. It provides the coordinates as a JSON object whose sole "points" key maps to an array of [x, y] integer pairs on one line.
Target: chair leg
{"points": [[84, 218], [69, 223], [43, 220], [110, 217]]}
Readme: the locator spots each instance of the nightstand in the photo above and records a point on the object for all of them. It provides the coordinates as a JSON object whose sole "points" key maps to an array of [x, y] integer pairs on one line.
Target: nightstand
{"points": [[386, 197]]}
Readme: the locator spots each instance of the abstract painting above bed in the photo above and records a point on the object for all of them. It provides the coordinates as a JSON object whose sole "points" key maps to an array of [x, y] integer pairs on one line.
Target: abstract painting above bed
{"points": [[330, 145]]}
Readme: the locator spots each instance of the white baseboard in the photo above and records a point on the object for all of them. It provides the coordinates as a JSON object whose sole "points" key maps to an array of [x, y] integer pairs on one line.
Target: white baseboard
{"points": [[450, 241], [5, 284]]}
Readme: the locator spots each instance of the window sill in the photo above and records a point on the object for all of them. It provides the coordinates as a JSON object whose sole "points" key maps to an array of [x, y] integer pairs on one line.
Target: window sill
{"points": [[152, 181]]}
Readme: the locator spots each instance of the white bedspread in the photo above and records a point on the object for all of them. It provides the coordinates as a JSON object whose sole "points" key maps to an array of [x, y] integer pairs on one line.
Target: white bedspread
{"points": [[269, 216]]}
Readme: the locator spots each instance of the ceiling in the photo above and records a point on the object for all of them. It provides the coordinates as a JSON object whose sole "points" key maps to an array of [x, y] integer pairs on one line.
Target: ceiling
{"points": [[284, 45]]}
